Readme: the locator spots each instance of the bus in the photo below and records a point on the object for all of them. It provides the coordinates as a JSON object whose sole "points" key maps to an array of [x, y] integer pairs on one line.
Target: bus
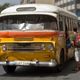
{"points": [[79, 24], [35, 35]]}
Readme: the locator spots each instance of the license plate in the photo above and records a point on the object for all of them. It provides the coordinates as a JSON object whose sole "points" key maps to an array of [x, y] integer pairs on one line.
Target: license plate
{"points": [[22, 63]]}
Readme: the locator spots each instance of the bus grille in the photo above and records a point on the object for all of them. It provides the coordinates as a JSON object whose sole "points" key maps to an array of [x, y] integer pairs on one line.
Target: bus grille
{"points": [[28, 46], [24, 47]]}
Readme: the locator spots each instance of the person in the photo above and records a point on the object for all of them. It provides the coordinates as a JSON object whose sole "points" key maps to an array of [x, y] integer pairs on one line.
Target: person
{"points": [[76, 45]]}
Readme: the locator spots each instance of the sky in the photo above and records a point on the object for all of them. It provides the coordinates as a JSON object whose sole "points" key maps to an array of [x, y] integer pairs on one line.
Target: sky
{"points": [[10, 1]]}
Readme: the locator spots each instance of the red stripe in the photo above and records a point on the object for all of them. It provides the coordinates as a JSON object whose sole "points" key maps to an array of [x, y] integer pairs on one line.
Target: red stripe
{"points": [[27, 34]]}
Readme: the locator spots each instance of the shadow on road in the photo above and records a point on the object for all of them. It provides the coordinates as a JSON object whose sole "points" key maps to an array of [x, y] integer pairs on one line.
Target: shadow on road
{"points": [[42, 72]]}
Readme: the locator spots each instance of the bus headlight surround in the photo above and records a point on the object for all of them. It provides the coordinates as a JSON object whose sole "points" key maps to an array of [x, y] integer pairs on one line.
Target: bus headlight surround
{"points": [[50, 47], [43, 47], [4, 47]]}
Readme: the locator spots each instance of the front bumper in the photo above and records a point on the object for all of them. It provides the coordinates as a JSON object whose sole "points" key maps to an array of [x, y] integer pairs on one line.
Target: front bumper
{"points": [[52, 63]]}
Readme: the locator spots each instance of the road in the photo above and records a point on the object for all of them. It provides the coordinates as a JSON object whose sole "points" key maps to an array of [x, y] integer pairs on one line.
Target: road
{"points": [[24, 73]]}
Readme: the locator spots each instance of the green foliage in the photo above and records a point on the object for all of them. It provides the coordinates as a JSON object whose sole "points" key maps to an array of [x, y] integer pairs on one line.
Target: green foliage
{"points": [[2, 7]]}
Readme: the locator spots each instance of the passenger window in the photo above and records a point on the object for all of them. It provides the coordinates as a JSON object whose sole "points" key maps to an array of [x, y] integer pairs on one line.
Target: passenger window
{"points": [[61, 25]]}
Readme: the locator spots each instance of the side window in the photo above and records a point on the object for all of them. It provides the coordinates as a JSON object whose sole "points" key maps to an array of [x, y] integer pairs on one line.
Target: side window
{"points": [[68, 23], [75, 24], [70, 26], [65, 23], [78, 25], [1, 24], [61, 23]]}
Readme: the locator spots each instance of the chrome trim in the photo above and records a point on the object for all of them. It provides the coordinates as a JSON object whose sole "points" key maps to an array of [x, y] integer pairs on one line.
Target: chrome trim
{"points": [[52, 63]]}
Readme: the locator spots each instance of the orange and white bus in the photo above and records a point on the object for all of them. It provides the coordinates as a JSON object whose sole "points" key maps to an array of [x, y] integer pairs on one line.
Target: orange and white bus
{"points": [[35, 35]]}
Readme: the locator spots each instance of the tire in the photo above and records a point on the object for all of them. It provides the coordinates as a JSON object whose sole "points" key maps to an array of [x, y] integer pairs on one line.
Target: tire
{"points": [[59, 68], [9, 69]]}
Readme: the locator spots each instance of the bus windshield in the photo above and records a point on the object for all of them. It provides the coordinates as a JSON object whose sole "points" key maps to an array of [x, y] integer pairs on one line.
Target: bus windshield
{"points": [[28, 22]]}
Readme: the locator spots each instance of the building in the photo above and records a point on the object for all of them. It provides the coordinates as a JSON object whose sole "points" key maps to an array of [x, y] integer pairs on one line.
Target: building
{"points": [[38, 1], [71, 5]]}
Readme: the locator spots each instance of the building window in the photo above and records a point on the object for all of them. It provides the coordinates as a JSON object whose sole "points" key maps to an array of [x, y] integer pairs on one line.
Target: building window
{"points": [[77, 1], [56, 0], [31, 1], [78, 12]]}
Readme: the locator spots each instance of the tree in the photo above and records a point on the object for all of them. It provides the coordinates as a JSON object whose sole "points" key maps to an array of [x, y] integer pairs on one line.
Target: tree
{"points": [[2, 7]]}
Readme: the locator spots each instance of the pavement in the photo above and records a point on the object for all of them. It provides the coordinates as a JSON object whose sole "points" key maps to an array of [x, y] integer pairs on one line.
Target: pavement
{"points": [[32, 73]]}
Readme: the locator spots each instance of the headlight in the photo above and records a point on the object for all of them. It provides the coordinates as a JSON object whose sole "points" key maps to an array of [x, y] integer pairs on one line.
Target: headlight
{"points": [[50, 47], [43, 47], [4, 47]]}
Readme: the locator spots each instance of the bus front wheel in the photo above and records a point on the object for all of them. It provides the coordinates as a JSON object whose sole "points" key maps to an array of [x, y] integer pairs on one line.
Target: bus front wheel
{"points": [[9, 69]]}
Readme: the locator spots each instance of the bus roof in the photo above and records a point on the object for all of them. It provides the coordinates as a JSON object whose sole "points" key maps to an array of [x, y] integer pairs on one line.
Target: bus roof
{"points": [[44, 8]]}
